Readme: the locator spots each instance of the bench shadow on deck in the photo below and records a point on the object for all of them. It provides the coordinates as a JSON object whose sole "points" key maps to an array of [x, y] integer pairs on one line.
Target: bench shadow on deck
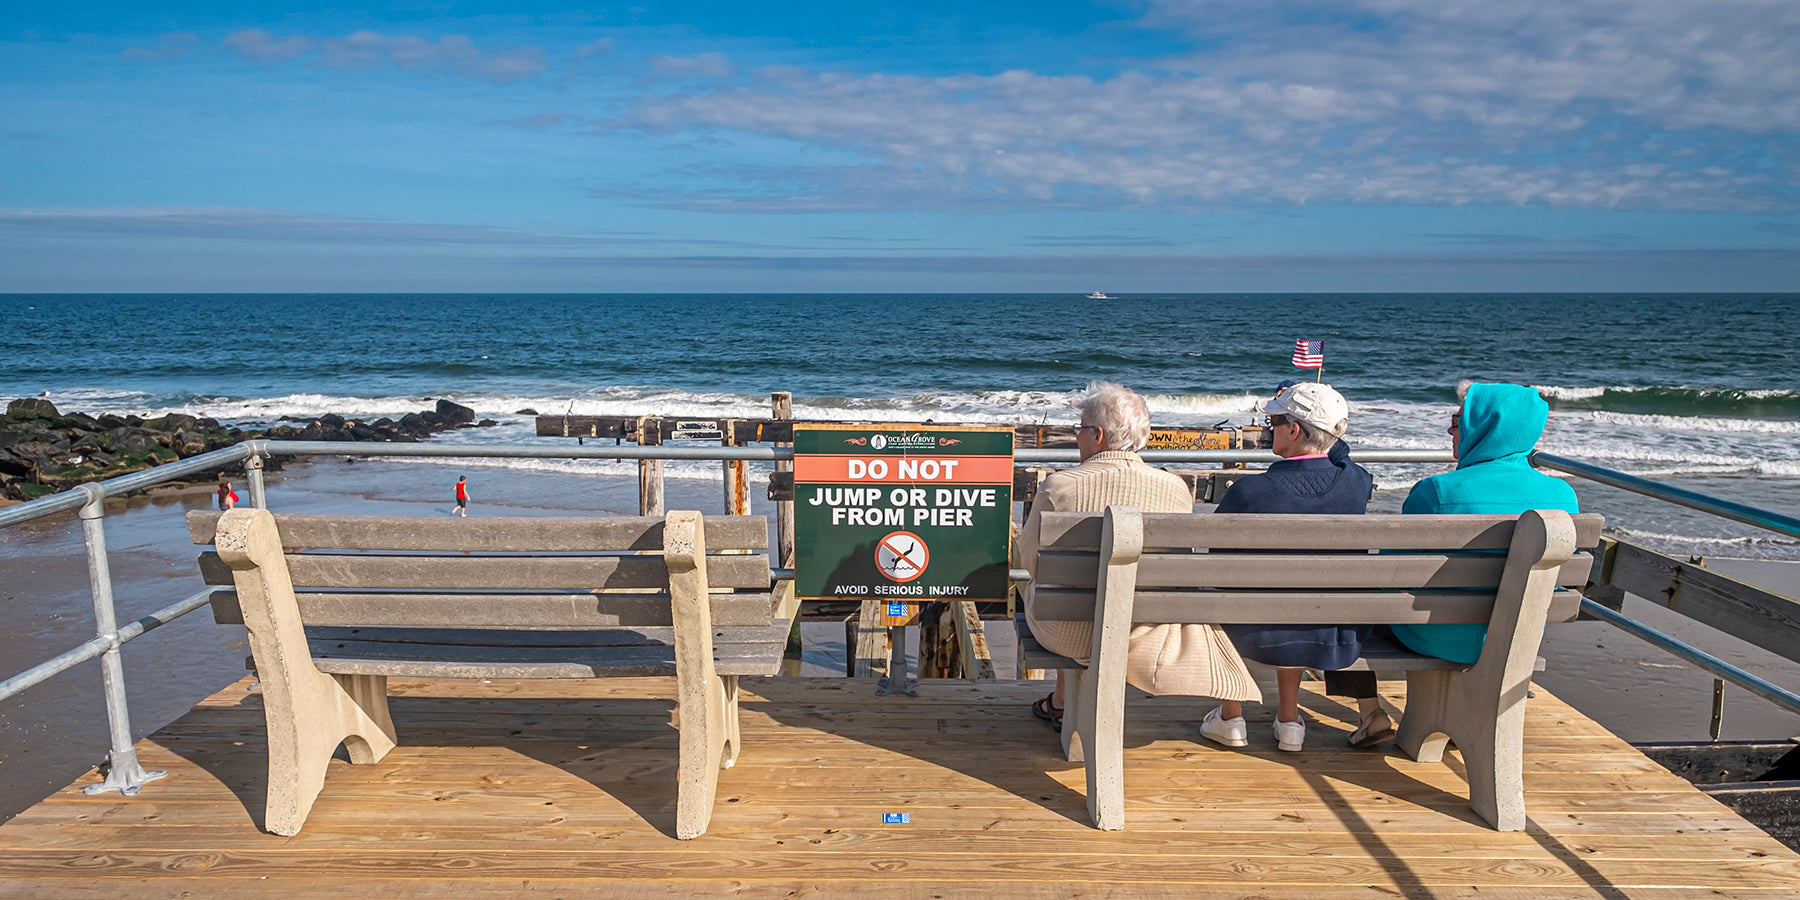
{"points": [[567, 789]]}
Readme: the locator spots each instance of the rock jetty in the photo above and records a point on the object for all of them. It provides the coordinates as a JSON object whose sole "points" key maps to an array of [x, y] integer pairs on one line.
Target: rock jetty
{"points": [[43, 450]]}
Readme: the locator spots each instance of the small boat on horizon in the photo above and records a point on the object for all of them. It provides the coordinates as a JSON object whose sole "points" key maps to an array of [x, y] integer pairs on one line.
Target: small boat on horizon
{"points": [[1098, 295]]}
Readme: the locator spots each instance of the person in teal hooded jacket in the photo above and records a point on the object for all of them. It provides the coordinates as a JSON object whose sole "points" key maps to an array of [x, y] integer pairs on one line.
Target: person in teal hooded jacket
{"points": [[1494, 432]]}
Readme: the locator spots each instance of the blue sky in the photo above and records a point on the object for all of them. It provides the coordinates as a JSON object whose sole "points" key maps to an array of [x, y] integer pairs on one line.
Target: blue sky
{"points": [[1359, 145]]}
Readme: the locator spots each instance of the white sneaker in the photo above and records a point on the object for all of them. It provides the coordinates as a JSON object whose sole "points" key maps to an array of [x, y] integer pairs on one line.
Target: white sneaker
{"points": [[1290, 735], [1230, 732]]}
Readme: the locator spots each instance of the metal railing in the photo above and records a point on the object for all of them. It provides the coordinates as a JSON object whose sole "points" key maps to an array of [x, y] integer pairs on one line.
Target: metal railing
{"points": [[123, 772]]}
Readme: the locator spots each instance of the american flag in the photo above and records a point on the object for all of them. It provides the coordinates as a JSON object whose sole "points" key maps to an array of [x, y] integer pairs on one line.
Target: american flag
{"points": [[1309, 354]]}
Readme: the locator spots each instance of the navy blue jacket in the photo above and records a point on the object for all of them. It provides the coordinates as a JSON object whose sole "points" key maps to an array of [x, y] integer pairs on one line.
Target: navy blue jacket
{"points": [[1318, 486]]}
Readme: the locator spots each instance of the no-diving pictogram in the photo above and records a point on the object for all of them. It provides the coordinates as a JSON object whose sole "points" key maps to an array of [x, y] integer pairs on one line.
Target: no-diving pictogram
{"points": [[902, 556]]}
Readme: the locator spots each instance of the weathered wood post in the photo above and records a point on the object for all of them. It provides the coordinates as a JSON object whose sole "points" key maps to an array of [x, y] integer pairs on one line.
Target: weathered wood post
{"points": [[781, 406], [736, 473], [650, 471]]}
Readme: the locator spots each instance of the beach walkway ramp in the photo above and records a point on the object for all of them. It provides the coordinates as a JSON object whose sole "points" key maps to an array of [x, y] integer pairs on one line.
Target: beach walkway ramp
{"points": [[517, 789]]}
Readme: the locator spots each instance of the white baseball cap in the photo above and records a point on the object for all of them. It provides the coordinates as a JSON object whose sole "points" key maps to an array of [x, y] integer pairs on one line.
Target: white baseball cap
{"points": [[1318, 405]]}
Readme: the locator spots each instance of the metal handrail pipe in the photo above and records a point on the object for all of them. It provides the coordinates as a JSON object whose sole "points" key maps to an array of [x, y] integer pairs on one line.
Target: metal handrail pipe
{"points": [[125, 484], [632, 451], [1700, 659], [50, 668], [98, 646], [148, 623], [521, 451], [1070, 455], [1740, 512]]}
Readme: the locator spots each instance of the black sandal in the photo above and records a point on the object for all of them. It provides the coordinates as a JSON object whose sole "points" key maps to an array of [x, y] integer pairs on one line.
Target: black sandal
{"points": [[1043, 710]]}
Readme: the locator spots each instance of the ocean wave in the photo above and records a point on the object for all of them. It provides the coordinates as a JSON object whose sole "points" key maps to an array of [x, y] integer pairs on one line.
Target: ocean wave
{"points": [[1755, 540], [1676, 401]]}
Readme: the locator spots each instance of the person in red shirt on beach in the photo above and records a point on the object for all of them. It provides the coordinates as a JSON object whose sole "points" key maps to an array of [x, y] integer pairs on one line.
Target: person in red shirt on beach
{"points": [[462, 497]]}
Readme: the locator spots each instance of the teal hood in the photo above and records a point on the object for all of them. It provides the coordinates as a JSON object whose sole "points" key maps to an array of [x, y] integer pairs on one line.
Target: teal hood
{"points": [[1499, 420]]}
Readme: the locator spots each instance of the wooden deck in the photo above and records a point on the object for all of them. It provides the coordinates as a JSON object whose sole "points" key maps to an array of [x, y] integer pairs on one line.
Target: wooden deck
{"points": [[567, 789]]}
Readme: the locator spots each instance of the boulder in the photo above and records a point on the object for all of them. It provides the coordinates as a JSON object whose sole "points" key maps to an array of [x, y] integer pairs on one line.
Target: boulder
{"points": [[331, 420], [189, 443], [32, 408], [527, 411], [455, 413], [173, 422]]}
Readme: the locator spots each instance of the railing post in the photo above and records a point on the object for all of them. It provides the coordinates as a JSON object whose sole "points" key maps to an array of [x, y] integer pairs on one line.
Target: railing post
{"points": [[650, 471], [123, 773], [253, 476]]}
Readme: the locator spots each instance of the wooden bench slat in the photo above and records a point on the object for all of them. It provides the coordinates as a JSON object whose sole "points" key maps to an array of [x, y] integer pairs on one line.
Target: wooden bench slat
{"points": [[498, 572], [1237, 531], [492, 534], [1323, 607], [501, 640], [584, 609], [1269, 570], [515, 662]]}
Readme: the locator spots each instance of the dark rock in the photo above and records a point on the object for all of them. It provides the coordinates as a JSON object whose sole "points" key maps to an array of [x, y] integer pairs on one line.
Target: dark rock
{"points": [[32, 408], [527, 411], [188, 443], [16, 467], [455, 413], [173, 422], [89, 442], [111, 421], [413, 423], [331, 420], [383, 422], [486, 423]]}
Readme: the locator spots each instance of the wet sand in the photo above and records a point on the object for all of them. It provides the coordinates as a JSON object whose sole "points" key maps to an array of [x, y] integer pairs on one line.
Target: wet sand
{"points": [[57, 730]]}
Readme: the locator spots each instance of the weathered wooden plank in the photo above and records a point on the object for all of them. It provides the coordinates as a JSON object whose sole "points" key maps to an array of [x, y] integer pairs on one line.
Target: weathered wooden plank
{"points": [[584, 609], [1744, 611], [515, 573], [600, 663], [558, 534], [500, 638], [1251, 607], [1370, 532], [1296, 572]]}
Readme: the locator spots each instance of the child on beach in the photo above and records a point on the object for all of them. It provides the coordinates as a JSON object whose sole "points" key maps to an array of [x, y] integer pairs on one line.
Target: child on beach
{"points": [[228, 498], [462, 497]]}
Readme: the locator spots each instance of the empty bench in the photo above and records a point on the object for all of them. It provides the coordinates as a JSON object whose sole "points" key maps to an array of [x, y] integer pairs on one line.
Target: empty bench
{"points": [[1126, 567], [337, 604]]}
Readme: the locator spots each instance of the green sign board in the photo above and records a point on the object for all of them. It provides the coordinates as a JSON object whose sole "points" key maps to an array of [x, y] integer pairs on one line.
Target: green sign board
{"points": [[902, 513]]}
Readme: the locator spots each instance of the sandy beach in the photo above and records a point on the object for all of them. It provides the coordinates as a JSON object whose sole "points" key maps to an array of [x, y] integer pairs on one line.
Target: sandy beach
{"points": [[56, 730]]}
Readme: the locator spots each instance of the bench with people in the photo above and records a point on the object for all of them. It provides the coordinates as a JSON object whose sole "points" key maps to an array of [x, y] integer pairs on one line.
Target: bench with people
{"points": [[1129, 586]]}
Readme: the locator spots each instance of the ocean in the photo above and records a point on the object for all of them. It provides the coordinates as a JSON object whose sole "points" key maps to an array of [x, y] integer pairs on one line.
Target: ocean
{"points": [[1696, 390]]}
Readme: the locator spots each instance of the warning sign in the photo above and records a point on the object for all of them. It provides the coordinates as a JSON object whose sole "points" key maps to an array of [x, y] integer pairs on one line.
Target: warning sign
{"points": [[902, 556], [902, 512]]}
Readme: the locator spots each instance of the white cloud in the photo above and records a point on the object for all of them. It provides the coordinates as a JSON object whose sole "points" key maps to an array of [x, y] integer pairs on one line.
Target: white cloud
{"points": [[1670, 104], [173, 45], [261, 46], [372, 50], [701, 65]]}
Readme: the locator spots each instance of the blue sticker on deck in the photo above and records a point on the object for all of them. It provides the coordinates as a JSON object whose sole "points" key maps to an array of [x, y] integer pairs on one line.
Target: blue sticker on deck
{"points": [[896, 818], [896, 609]]}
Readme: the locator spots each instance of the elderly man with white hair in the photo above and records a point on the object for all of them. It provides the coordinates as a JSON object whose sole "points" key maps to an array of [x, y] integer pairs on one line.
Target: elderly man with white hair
{"points": [[1164, 659]]}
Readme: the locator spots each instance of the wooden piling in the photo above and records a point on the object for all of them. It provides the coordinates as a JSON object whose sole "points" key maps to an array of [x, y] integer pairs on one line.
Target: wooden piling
{"points": [[650, 471]]}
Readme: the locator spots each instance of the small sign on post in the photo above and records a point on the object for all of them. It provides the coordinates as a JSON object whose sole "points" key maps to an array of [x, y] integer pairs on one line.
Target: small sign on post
{"points": [[902, 513]]}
